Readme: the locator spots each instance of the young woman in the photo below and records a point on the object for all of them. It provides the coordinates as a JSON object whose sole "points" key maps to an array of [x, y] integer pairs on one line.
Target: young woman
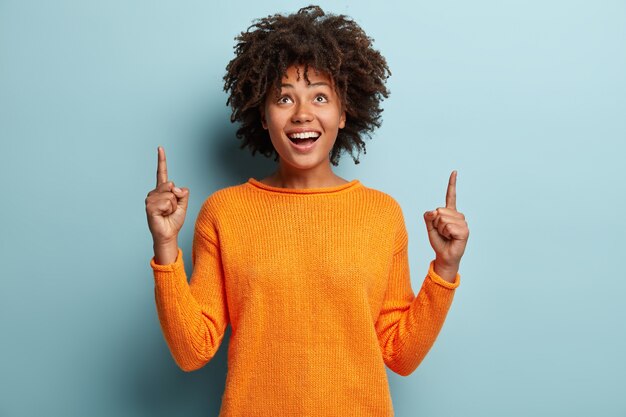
{"points": [[311, 270]]}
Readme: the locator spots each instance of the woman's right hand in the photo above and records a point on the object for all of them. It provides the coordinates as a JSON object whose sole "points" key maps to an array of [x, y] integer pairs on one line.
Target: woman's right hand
{"points": [[166, 206]]}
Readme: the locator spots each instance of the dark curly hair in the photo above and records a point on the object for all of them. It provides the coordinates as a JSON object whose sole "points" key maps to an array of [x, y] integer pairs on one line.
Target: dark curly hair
{"points": [[331, 44]]}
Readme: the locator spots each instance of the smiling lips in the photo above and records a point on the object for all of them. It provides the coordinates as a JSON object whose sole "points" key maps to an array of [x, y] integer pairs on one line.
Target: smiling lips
{"points": [[303, 140]]}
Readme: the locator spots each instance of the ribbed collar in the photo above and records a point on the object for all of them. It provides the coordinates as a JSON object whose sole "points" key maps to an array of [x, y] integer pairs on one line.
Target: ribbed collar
{"points": [[355, 183]]}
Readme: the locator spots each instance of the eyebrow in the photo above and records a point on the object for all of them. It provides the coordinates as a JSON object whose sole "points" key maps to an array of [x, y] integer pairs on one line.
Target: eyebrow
{"points": [[310, 85]]}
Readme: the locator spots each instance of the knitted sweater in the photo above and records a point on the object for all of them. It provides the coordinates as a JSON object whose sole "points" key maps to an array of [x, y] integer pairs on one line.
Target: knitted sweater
{"points": [[315, 285]]}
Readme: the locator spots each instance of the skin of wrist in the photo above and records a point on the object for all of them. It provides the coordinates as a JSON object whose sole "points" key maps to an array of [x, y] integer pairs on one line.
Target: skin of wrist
{"points": [[446, 271], [165, 244], [165, 253]]}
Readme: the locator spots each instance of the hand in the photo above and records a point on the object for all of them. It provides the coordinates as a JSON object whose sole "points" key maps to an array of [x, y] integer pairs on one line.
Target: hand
{"points": [[447, 232], [166, 205]]}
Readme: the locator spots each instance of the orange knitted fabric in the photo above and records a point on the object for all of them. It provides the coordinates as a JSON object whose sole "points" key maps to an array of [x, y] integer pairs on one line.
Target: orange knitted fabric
{"points": [[315, 285]]}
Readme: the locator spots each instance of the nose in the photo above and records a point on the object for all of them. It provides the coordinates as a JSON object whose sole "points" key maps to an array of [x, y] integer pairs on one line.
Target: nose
{"points": [[302, 113]]}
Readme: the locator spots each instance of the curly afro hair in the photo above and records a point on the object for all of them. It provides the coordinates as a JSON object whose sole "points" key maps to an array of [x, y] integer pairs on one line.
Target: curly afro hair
{"points": [[332, 44]]}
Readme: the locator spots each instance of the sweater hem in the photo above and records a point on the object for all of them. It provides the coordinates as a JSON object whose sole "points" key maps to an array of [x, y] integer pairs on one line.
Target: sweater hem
{"points": [[172, 267], [439, 280]]}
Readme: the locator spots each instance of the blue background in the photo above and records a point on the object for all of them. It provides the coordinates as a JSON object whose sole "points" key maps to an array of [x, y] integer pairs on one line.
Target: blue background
{"points": [[527, 100]]}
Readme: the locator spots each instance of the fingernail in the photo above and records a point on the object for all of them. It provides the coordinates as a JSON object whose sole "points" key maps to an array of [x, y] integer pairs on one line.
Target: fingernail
{"points": [[178, 190]]}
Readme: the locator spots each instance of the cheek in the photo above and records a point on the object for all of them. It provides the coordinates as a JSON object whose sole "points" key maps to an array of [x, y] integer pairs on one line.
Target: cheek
{"points": [[275, 132], [274, 120], [333, 117], [332, 121]]}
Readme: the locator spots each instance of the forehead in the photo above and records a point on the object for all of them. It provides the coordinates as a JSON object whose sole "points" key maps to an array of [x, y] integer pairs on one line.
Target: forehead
{"points": [[295, 73]]}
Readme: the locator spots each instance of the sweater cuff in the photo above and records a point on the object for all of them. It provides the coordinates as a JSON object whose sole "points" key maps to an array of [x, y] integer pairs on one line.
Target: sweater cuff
{"points": [[437, 279], [178, 263]]}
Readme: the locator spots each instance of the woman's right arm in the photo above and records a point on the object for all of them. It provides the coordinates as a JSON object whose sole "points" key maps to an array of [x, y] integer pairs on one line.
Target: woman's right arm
{"points": [[193, 315]]}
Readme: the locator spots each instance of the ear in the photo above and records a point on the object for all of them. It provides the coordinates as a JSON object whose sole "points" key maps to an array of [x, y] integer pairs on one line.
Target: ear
{"points": [[342, 119]]}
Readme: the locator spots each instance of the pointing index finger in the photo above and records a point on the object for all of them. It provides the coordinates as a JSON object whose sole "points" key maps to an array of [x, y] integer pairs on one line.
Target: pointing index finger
{"points": [[451, 193], [161, 167]]}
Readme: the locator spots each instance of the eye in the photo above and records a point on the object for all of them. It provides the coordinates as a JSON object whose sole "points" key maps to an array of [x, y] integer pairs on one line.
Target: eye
{"points": [[323, 98], [283, 99]]}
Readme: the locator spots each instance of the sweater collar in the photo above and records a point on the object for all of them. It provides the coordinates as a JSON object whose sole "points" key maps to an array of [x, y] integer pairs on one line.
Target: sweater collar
{"points": [[355, 183]]}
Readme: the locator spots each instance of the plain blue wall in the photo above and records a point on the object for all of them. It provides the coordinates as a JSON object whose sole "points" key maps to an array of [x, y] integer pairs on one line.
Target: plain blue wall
{"points": [[527, 100]]}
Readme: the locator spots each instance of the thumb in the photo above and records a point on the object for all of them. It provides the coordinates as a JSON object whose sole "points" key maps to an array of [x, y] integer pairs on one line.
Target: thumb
{"points": [[429, 217], [182, 194]]}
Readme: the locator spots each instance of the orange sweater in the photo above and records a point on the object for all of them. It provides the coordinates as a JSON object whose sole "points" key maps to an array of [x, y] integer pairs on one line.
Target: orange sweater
{"points": [[315, 285]]}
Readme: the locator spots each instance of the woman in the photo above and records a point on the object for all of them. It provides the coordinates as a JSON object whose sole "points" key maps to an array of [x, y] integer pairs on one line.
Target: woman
{"points": [[311, 270]]}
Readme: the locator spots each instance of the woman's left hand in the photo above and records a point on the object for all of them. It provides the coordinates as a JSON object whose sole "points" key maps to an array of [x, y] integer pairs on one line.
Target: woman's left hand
{"points": [[448, 233]]}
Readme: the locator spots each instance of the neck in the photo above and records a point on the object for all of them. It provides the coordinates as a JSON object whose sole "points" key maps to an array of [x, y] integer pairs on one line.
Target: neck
{"points": [[289, 177]]}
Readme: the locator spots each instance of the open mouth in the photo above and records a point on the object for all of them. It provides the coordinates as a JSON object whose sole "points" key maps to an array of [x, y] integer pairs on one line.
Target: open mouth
{"points": [[304, 138]]}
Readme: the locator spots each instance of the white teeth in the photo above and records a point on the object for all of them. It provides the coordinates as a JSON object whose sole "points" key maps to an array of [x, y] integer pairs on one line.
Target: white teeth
{"points": [[304, 135]]}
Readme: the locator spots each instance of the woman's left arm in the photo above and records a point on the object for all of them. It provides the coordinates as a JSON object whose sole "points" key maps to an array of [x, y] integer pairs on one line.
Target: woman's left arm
{"points": [[408, 325]]}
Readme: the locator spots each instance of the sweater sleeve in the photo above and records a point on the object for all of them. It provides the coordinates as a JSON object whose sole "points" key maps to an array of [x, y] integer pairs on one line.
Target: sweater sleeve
{"points": [[408, 325], [193, 315]]}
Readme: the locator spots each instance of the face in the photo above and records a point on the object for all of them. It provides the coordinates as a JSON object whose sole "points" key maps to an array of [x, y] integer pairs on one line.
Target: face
{"points": [[308, 114]]}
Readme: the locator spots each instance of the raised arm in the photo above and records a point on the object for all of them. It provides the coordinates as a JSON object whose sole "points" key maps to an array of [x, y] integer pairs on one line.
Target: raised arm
{"points": [[193, 315], [408, 325]]}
